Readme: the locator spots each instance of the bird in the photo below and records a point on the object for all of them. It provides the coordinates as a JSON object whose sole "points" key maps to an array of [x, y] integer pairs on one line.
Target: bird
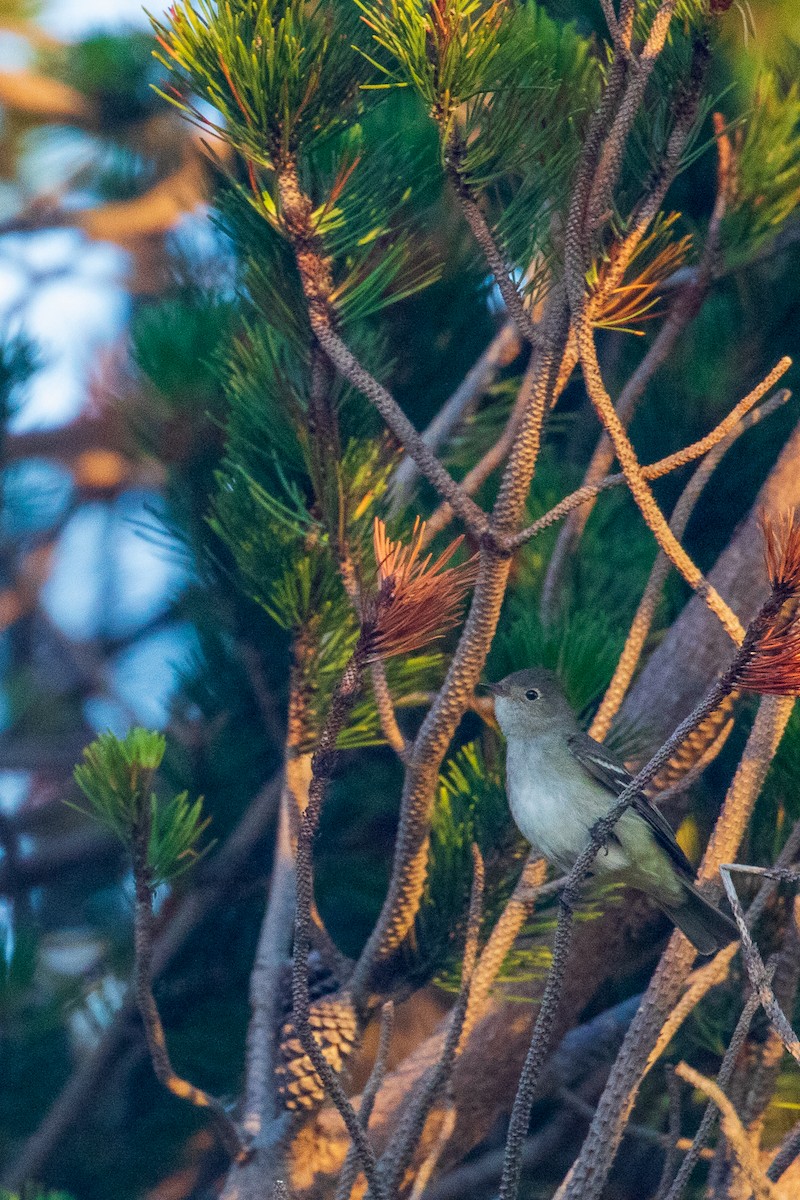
{"points": [[560, 782]]}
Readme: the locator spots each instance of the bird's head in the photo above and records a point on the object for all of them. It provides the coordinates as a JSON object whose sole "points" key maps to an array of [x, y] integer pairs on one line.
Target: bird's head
{"points": [[530, 703]]}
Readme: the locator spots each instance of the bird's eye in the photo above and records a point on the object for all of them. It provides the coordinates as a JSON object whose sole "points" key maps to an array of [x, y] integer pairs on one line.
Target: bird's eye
{"points": [[532, 694]]}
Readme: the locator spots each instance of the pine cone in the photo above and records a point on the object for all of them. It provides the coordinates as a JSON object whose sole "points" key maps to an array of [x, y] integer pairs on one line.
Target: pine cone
{"points": [[337, 1029]]}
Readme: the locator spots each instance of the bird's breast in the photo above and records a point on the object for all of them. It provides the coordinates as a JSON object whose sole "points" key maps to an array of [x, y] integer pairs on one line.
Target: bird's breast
{"points": [[554, 802]]}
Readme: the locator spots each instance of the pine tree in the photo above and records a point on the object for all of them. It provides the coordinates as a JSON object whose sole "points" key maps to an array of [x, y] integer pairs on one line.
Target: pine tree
{"points": [[554, 218]]}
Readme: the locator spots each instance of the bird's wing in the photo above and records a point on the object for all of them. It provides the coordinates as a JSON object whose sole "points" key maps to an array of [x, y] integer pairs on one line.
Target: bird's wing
{"points": [[609, 771]]}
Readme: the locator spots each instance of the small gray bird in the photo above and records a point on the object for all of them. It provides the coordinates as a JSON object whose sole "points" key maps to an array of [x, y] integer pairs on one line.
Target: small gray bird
{"points": [[560, 782]]}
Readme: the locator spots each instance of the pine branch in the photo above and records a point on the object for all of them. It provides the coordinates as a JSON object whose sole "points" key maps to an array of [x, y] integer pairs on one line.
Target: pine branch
{"points": [[663, 466], [733, 1130], [683, 311], [611, 156], [388, 718], [317, 287], [496, 260], [724, 1077], [494, 456], [756, 970], [274, 946], [503, 349], [321, 766], [787, 1153], [227, 1131], [645, 613], [349, 1171], [400, 1151]]}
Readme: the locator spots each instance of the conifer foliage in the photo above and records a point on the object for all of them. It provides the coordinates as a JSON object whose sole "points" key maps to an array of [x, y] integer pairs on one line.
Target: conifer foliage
{"points": [[373, 157]]}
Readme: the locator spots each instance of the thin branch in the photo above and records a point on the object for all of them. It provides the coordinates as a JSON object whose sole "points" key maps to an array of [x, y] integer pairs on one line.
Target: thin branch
{"points": [[479, 227], [656, 470], [715, 972], [645, 613], [683, 310], [274, 946], [757, 972], [779, 874], [787, 1153], [423, 1175], [502, 350], [494, 456], [633, 1129], [350, 1168], [386, 713], [517, 911], [227, 1131], [724, 1077], [733, 1130], [315, 277], [321, 765], [610, 163], [673, 1132], [401, 1149]]}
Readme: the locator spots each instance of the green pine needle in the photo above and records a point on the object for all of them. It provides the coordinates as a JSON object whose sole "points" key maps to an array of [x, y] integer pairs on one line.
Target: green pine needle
{"points": [[115, 777]]}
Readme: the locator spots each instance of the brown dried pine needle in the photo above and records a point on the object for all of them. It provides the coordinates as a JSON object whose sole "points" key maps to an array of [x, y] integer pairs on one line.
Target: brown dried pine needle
{"points": [[417, 599], [782, 551], [773, 666]]}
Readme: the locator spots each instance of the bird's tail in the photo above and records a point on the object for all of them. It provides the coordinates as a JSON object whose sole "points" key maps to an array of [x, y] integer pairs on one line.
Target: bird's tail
{"points": [[708, 929]]}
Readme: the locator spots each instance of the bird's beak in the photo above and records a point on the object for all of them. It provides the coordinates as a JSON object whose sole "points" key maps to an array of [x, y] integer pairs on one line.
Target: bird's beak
{"points": [[496, 689]]}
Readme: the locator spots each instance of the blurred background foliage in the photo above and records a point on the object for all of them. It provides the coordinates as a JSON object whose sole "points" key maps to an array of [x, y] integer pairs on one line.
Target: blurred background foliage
{"points": [[161, 519]]}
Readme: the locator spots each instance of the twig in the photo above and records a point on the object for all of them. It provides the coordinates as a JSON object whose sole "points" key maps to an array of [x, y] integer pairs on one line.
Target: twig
{"points": [[762, 1077], [350, 1167], [787, 1153], [645, 613], [479, 227], [683, 310], [145, 1000], [779, 874], [503, 349], [607, 171], [321, 766], [652, 471], [529, 889], [494, 456], [315, 277], [724, 1076], [214, 879], [423, 1175], [712, 973], [386, 714], [639, 488], [757, 972], [633, 1129], [274, 946], [401, 1149], [733, 1130], [610, 162], [673, 1132]]}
